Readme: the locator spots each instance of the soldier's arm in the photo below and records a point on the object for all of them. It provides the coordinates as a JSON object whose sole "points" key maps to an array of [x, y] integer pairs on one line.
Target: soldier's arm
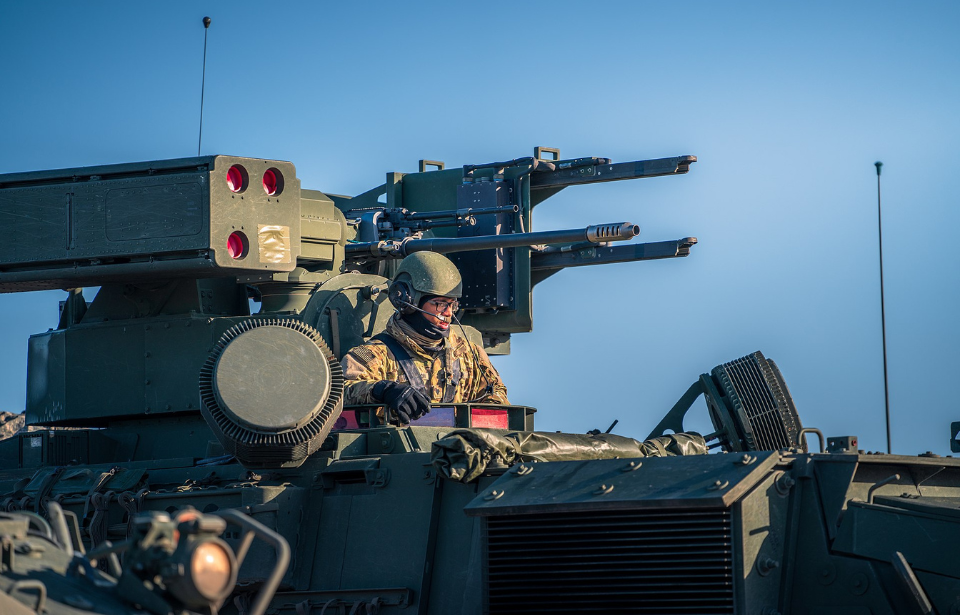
{"points": [[363, 367], [490, 378]]}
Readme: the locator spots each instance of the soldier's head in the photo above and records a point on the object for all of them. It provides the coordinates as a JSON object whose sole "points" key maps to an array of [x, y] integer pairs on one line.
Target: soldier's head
{"points": [[425, 291]]}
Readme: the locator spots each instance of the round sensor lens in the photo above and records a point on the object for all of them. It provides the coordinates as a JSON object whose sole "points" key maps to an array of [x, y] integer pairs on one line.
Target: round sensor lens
{"points": [[272, 182], [236, 178], [237, 245]]}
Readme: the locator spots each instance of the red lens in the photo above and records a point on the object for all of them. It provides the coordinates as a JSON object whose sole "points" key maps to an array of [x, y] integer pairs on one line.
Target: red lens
{"points": [[237, 245], [235, 178], [490, 418], [272, 182]]}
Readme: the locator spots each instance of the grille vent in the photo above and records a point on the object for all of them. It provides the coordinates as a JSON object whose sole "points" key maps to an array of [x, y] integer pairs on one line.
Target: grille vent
{"points": [[677, 562], [756, 390]]}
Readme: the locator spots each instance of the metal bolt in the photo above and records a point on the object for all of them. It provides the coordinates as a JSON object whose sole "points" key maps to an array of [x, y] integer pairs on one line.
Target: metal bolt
{"points": [[784, 484], [766, 566], [523, 470], [718, 485]]}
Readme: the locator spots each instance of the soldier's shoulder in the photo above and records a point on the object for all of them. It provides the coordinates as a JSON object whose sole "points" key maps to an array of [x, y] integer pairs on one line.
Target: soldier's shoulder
{"points": [[464, 346], [370, 350]]}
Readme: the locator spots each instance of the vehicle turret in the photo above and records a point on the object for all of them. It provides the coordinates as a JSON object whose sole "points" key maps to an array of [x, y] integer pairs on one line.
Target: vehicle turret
{"points": [[178, 246]]}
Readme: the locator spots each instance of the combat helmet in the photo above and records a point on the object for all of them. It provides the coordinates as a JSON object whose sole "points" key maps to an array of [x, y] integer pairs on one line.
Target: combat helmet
{"points": [[421, 274]]}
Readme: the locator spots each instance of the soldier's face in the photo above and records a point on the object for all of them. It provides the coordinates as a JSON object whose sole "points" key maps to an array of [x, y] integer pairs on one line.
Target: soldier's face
{"points": [[439, 312]]}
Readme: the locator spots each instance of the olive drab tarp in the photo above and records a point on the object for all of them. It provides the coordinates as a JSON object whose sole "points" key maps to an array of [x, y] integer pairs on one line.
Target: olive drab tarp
{"points": [[464, 455]]}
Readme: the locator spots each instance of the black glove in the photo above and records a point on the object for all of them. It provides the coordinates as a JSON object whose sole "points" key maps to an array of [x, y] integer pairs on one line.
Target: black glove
{"points": [[404, 403]]}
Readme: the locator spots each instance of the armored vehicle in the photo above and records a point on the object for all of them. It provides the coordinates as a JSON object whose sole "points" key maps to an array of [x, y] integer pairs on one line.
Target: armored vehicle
{"points": [[165, 394]]}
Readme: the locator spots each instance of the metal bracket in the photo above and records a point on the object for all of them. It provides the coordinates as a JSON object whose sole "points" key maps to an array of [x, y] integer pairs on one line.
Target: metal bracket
{"points": [[539, 151], [439, 166], [842, 444]]}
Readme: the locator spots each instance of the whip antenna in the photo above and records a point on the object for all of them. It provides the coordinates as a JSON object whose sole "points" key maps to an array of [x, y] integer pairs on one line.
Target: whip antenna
{"points": [[883, 317], [203, 80]]}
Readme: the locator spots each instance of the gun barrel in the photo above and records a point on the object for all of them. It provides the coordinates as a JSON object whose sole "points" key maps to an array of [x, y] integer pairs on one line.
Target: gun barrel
{"points": [[568, 175], [597, 233]]}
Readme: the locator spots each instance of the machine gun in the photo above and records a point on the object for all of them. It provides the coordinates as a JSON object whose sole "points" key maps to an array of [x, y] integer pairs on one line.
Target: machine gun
{"points": [[494, 200]]}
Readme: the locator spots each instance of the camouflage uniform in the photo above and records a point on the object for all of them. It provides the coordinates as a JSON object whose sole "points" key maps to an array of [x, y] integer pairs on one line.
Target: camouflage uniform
{"points": [[366, 365]]}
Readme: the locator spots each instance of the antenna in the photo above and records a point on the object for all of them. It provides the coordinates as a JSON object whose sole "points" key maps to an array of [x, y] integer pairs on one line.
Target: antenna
{"points": [[203, 80], [883, 317]]}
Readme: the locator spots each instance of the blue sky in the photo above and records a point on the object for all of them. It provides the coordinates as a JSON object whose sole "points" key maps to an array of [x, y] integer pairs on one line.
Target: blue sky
{"points": [[786, 106]]}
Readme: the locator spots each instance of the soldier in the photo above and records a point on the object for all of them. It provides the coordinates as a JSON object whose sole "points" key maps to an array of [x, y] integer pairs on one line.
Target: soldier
{"points": [[420, 359]]}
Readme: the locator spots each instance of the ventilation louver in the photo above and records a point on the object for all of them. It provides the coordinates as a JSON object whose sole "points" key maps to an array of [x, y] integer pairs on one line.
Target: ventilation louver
{"points": [[629, 561]]}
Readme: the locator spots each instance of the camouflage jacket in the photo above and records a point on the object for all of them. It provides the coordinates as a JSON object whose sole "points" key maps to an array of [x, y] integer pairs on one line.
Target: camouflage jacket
{"points": [[366, 365]]}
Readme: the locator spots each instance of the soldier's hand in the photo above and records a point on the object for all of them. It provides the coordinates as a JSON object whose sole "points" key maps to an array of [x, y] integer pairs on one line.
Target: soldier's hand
{"points": [[403, 402]]}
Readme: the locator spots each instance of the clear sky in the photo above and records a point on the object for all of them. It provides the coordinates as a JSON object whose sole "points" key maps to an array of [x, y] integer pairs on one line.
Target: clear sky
{"points": [[786, 105]]}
